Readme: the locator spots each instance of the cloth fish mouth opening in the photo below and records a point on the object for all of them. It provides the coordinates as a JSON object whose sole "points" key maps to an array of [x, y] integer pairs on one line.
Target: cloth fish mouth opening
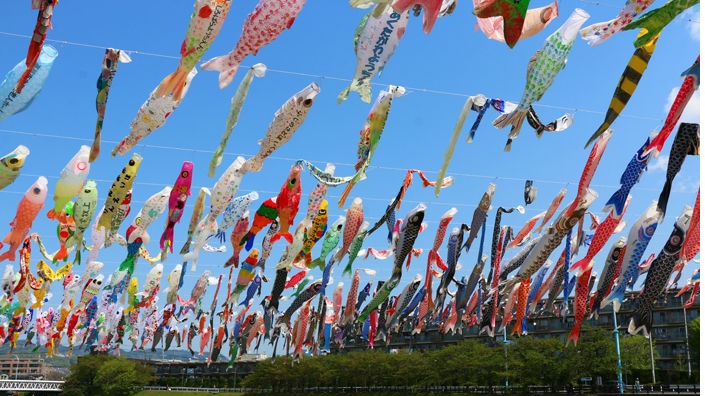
{"points": [[308, 94]]}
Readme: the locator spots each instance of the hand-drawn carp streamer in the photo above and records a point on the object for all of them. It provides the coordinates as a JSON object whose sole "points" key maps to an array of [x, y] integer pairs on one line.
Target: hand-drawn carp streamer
{"points": [[686, 142], [136, 234], [287, 120], [598, 33], [195, 217], [627, 84], [370, 136], [83, 211], [177, 202], [64, 230], [31, 203], [105, 79], [691, 83], [653, 22], [36, 46], [205, 24], [222, 193], [535, 21], [118, 191], [288, 201], [236, 103], [11, 164], [512, 13], [375, 40], [12, 101], [70, 182], [447, 7], [262, 26], [431, 9], [151, 116], [543, 68], [657, 277]]}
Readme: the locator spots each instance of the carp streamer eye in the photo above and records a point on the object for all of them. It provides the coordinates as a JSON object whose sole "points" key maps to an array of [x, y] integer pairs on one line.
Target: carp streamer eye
{"points": [[36, 190], [13, 161], [184, 174], [131, 163], [308, 102]]}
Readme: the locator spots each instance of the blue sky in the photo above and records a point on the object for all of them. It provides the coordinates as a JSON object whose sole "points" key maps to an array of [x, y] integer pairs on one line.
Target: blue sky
{"points": [[439, 70]]}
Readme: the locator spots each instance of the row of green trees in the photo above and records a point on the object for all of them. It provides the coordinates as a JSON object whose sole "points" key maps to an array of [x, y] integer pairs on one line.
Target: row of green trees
{"points": [[104, 375], [529, 361]]}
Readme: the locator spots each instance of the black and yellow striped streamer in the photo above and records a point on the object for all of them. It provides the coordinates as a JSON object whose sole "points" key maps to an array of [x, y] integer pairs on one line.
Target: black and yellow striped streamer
{"points": [[627, 84]]}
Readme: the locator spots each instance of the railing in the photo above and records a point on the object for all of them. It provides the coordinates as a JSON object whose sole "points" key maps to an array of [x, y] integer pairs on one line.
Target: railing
{"points": [[499, 389], [30, 385]]}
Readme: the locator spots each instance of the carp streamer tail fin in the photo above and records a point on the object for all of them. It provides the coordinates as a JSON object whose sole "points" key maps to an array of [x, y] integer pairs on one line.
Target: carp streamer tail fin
{"points": [[173, 84], [640, 322], [233, 260], [227, 71], [167, 236], [318, 262], [617, 202], [581, 266], [515, 119], [287, 235], [431, 10], [363, 88], [344, 195], [574, 334], [663, 198], [597, 33]]}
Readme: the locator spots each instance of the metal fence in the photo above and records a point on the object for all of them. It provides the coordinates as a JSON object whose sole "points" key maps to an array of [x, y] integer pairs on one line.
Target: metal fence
{"points": [[498, 390]]}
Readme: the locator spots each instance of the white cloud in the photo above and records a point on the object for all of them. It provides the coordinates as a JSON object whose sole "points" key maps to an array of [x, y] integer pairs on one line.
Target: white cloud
{"points": [[661, 163], [687, 186], [691, 113], [691, 18]]}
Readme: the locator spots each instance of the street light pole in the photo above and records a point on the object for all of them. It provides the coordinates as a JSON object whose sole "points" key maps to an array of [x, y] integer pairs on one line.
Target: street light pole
{"points": [[17, 365], [506, 366], [619, 357], [653, 369], [685, 325]]}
